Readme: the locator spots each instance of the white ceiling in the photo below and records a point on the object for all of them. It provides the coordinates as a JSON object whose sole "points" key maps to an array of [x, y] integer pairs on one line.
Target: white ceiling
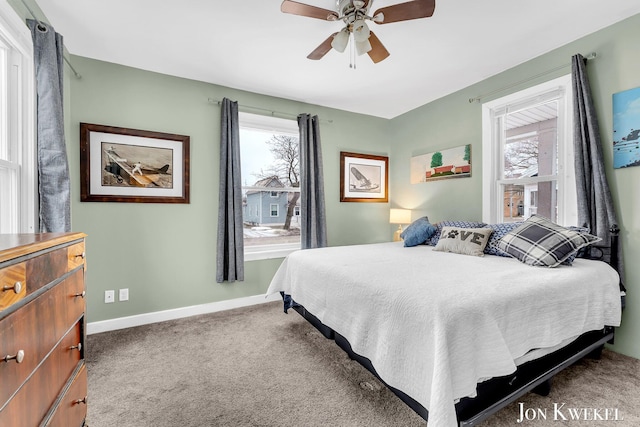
{"points": [[251, 45]]}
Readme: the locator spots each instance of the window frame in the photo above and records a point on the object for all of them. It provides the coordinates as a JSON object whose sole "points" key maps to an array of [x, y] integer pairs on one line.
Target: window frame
{"points": [[280, 126], [492, 149], [20, 139]]}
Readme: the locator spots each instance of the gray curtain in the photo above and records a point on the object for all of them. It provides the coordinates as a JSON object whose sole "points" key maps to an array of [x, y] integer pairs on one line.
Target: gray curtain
{"points": [[595, 205], [53, 168], [313, 229], [230, 255]]}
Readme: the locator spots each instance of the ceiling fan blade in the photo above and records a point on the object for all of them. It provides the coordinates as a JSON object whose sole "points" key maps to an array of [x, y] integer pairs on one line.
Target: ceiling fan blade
{"points": [[322, 50], [302, 9], [378, 52], [414, 9]]}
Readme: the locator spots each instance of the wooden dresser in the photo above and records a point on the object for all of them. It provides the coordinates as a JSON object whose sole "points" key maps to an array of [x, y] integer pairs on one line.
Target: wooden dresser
{"points": [[43, 379]]}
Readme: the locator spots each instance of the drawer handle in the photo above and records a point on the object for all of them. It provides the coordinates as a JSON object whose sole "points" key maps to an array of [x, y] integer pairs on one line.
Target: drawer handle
{"points": [[81, 294], [17, 287], [83, 255], [19, 357], [79, 401], [76, 347]]}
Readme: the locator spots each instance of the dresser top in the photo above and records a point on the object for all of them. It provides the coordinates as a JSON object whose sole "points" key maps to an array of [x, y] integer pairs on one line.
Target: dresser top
{"points": [[15, 245]]}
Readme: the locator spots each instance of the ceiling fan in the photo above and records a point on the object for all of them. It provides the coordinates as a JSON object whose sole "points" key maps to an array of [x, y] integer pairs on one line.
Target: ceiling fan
{"points": [[355, 13]]}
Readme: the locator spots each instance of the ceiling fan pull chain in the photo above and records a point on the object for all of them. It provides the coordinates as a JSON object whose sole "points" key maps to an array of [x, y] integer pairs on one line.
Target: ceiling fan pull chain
{"points": [[352, 54]]}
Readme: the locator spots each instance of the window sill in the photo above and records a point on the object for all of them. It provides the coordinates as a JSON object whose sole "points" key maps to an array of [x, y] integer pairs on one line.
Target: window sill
{"points": [[255, 253]]}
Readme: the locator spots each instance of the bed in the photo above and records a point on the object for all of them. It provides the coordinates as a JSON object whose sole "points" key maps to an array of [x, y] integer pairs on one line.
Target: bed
{"points": [[455, 336]]}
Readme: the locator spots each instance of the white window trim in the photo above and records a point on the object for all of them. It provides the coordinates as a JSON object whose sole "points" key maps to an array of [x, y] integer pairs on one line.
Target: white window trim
{"points": [[492, 151], [271, 205], [13, 30], [282, 126]]}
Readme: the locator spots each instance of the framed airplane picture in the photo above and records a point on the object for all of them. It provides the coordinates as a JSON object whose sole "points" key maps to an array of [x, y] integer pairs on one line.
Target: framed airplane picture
{"points": [[129, 165], [363, 178]]}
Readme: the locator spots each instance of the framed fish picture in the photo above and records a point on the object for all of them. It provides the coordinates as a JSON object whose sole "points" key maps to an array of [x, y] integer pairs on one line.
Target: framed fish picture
{"points": [[364, 178]]}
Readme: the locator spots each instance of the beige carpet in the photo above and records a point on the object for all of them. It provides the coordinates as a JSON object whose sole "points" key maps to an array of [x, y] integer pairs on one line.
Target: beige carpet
{"points": [[257, 366]]}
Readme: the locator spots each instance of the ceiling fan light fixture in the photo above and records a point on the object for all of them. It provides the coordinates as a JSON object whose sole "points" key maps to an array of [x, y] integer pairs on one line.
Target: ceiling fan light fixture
{"points": [[363, 47], [340, 41], [360, 30], [358, 4], [378, 18]]}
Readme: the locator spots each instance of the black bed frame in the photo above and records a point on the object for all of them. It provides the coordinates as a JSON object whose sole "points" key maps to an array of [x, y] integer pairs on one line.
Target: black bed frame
{"points": [[498, 392]]}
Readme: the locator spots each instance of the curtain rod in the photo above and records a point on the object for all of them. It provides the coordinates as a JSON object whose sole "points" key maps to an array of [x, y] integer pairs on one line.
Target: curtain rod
{"points": [[33, 15], [592, 55], [265, 110]]}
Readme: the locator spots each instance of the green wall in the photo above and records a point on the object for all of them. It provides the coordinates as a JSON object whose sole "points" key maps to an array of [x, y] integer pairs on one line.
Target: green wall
{"points": [[165, 254], [452, 121]]}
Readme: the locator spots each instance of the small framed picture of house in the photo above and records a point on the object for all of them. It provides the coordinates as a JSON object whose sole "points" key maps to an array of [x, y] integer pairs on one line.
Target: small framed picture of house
{"points": [[363, 178], [442, 164], [129, 165]]}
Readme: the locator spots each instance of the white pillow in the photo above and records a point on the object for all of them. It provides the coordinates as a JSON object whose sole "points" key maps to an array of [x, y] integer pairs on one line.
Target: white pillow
{"points": [[466, 241]]}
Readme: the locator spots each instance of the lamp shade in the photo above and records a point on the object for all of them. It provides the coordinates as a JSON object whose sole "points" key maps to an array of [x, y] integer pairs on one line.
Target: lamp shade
{"points": [[363, 47], [399, 216], [340, 41], [360, 31]]}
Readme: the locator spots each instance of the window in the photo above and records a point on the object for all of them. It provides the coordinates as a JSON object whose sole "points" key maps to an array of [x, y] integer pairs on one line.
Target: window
{"points": [[269, 155], [528, 155], [17, 140]]}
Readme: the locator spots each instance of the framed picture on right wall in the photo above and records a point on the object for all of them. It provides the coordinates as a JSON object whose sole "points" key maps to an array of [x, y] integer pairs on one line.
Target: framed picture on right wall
{"points": [[626, 128]]}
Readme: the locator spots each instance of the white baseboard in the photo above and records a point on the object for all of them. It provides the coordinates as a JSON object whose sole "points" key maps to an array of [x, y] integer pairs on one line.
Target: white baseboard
{"points": [[176, 313]]}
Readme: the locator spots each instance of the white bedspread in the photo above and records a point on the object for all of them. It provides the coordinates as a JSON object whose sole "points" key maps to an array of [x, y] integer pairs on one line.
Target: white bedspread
{"points": [[434, 323]]}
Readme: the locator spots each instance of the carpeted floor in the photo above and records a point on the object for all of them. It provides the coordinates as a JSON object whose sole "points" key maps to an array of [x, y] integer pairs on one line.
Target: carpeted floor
{"points": [[257, 366]]}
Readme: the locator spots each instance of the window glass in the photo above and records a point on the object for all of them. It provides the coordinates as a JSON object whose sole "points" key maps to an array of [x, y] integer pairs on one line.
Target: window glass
{"points": [[269, 155], [4, 99], [528, 155], [530, 152], [17, 141]]}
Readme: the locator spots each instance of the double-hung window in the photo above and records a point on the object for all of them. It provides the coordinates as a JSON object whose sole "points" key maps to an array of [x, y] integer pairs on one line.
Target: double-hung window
{"points": [[17, 138], [528, 155], [270, 169]]}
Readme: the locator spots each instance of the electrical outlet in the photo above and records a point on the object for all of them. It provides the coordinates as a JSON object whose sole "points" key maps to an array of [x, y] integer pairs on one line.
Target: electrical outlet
{"points": [[109, 297], [123, 294]]}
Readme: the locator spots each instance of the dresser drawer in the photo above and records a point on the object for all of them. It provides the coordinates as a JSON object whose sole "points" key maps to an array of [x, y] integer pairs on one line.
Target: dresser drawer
{"points": [[44, 269], [71, 406], [13, 284], [48, 317], [76, 256], [33, 400]]}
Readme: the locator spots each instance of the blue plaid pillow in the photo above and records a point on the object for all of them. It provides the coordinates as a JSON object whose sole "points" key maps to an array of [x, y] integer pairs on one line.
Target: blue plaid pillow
{"points": [[418, 232], [540, 242], [462, 224], [499, 230]]}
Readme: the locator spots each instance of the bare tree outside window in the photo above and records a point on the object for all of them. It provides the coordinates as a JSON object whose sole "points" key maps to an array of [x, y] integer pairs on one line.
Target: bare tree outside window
{"points": [[520, 156], [286, 166]]}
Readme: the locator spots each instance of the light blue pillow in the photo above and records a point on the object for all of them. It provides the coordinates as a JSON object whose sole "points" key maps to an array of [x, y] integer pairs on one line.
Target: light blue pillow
{"points": [[499, 230], [418, 232]]}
